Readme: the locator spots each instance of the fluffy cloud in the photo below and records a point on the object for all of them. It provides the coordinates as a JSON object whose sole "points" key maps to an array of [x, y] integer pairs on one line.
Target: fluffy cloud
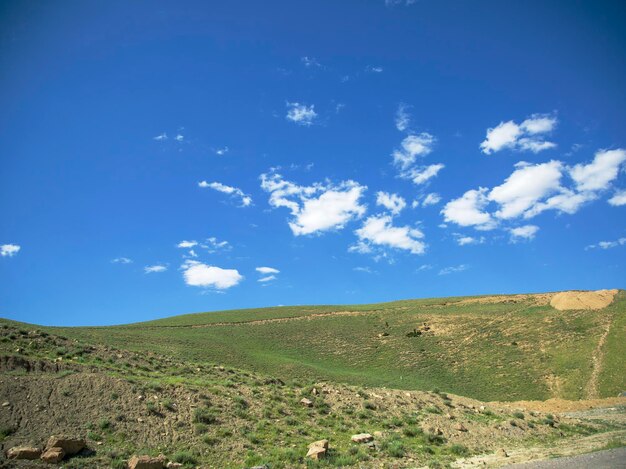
{"points": [[392, 202], [301, 114], [469, 210], [618, 199], [598, 174], [526, 136], [151, 269], [526, 232], [535, 188], [267, 270], [422, 174], [453, 269], [378, 230], [316, 208], [267, 278], [608, 244], [431, 199], [525, 187], [9, 250], [403, 119], [467, 240], [197, 274], [121, 260], [412, 147], [187, 244], [235, 192]]}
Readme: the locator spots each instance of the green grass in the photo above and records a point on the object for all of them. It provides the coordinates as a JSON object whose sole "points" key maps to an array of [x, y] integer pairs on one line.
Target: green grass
{"points": [[500, 351]]}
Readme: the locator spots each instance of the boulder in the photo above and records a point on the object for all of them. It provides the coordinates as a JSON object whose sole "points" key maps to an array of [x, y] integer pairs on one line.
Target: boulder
{"points": [[362, 438], [147, 462], [175, 465], [317, 450], [53, 455], [23, 452], [306, 402], [70, 445]]}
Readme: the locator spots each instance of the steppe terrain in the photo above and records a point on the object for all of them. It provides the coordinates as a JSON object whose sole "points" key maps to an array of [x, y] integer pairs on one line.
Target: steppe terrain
{"points": [[450, 382]]}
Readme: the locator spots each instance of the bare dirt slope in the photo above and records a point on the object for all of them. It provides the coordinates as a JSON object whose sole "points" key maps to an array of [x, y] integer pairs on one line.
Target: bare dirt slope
{"points": [[582, 300]]}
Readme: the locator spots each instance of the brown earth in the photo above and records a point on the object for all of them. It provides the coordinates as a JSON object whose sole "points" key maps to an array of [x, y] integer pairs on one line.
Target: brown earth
{"points": [[582, 300]]}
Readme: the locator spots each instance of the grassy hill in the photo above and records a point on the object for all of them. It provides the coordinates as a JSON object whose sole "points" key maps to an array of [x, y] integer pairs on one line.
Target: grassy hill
{"points": [[489, 348]]}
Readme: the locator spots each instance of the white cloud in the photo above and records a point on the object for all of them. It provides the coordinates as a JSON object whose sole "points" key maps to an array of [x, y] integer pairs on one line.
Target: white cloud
{"points": [[526, 232], [469, 210], [424, 267], [150, 269], [608, 244], [392, 202], [378, 230], [467, 240], [422, 174], [9, 250], [535, 188], [221, 151], [213, 244], [366, 270], [267, 270], [523, 137], [310, 62], [525, 187], [235, 192], [301, 114], [374, 69], [403, 119], [198, 274], [268, 278], [161, 137], [121, 260], [431, 199], [413, 146], [618, 199], [453, 269], [179, 137], [598, 174], [187, 244], [316, 208]]}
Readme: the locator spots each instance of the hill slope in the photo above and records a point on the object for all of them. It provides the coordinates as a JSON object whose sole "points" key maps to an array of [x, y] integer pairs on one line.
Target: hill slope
{"points": [[490, 348]]}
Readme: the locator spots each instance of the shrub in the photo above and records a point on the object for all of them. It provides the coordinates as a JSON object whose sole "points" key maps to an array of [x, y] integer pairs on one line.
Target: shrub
{"points": [[459, 450], [204, 416], [184, 457], [519, 415]]}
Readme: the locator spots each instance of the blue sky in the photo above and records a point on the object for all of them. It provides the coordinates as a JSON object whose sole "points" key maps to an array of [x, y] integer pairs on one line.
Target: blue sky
{"points": [[160, 158]]}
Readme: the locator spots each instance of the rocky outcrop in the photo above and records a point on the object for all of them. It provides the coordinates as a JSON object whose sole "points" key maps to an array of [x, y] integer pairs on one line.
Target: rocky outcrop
{"points": [[318, 450], [362, 438], [147, 462], [23, 452], [53, 455], [69, 445]]}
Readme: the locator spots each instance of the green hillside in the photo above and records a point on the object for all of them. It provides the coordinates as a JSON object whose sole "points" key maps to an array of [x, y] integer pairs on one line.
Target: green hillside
{"points": [[510, 348]]}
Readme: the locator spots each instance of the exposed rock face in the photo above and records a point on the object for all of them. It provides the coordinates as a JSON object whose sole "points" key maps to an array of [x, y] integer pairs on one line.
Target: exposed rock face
{"points": [[306, 402], [53, 455], [318, 449], [70, 445], [147, 462], [23, 452], [362, 438]]}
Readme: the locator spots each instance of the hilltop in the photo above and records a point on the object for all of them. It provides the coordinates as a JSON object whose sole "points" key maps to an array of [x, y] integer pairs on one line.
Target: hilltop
{"points": [[506, 347], [256, 387]]}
